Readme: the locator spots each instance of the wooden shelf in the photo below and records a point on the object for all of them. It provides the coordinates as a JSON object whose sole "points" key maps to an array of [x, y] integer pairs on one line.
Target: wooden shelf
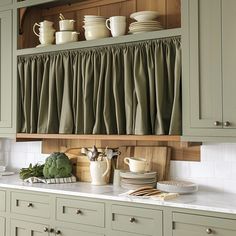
{"points": [[102, 42], [166, 138]]}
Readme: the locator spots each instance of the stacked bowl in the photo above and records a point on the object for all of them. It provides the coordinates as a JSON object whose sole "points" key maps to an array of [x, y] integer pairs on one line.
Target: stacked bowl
{"points": [[95, 27], [145, 21]]}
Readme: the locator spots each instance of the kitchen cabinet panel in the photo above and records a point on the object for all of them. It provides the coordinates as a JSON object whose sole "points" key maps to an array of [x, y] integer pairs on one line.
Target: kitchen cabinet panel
{"points": [[205, 63], [196, 225], [229, 62], [24, 228], [2, 226], [2, 200], [5, 2], [6, 79], [30, 204], [72, 232], [136, 220], [80, 212]]}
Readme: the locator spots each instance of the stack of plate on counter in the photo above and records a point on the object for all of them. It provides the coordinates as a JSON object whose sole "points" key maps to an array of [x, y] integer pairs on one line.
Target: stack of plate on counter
{"points": [[145, 22], [133, 180]]}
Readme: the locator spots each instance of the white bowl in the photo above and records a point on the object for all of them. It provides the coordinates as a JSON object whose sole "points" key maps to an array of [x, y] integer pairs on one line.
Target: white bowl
{"points": [[66, 37], [144, 15], [66, 25], [96, 32]]}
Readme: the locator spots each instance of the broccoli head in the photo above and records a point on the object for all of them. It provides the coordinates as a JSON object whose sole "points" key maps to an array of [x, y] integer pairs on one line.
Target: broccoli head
{"points": [[57, 165]]}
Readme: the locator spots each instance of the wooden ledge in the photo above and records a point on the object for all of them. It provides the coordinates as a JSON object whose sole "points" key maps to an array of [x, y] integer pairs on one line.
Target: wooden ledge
{"points": [[166, 138]]}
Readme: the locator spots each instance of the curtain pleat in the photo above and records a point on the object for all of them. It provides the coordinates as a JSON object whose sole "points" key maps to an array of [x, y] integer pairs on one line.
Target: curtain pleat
{"points": [[132, 88]]}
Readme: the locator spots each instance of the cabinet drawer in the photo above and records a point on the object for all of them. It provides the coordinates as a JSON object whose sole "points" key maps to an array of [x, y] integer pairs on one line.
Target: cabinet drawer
{"points": [[137, 220], [3, 200], [72, 232], [195, 225], [30, 204], [80, 212]]}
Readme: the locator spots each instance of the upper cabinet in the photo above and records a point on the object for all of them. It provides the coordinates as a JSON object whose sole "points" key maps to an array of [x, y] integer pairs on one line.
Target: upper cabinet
{"points": [[5, 2], [7, 126], [208, 42]]}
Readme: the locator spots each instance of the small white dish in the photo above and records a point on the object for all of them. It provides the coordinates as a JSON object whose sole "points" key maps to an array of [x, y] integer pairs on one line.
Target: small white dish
{"points": [[66, 37], [144, 15]]}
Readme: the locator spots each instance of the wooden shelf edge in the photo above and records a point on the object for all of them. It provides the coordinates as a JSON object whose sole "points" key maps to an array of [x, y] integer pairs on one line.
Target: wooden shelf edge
{"points": [[166, 33], [167, 138]]}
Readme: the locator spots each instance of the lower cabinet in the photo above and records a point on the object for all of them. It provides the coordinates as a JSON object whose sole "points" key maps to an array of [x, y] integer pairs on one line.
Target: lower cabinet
{"points": [[134, 220], [197, 225], [24, 228], [2, 226]]}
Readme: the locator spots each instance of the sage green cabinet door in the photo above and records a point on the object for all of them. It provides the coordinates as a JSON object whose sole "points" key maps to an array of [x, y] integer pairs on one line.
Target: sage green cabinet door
{"points": [[2, 200], [2, 227], [229, 62], [24, 228], [5, 2], [196, 225], [205, 75], [6, 80], [72, 232]]}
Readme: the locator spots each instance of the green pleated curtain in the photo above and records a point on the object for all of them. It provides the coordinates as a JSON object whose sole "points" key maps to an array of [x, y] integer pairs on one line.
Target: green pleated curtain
{"points": [[132, 88]]}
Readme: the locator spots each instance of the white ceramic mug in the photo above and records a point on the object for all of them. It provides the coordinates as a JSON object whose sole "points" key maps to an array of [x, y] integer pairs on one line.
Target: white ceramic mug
{"points": [[66, 25], [136, 164], [98, 171], [117, 25]]}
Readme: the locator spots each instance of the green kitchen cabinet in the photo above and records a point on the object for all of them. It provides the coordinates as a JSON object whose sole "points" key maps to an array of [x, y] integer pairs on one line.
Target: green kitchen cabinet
{"points": [[197, 225], [2, 226], [72, 232], [5, 2], [208, 42], [24, 228], [7, 126]]}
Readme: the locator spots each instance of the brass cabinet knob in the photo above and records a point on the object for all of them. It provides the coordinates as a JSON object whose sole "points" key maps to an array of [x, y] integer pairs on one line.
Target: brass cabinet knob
{"points": [[30, 204], [132, 220], [45, 229], [78, 212], [209, 231], [226, 123], [51, 230], [58, 232], [216, 123]]}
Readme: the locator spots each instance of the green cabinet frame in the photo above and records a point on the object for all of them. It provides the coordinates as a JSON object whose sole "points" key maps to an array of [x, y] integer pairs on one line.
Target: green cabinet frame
{"points": [[209, 111]]}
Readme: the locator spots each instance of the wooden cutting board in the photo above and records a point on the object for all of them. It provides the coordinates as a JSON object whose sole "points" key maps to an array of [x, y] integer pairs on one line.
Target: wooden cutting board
{"points": [[158, 159]]}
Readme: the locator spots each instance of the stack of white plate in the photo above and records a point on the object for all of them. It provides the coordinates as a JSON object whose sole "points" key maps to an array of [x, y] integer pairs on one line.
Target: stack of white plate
{"points": [[145, 22], [132, 180], [95, 27]]}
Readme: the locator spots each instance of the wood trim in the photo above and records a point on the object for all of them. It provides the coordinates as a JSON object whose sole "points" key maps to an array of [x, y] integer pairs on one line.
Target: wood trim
{"points": [[173, 138]]}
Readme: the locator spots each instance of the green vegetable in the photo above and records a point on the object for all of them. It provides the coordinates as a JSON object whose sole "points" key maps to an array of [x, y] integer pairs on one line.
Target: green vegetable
{"points": [[32, 171], [57, 165]]}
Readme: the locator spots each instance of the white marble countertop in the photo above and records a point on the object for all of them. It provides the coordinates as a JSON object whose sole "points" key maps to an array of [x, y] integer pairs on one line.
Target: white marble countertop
{"points": [[202, 200]]}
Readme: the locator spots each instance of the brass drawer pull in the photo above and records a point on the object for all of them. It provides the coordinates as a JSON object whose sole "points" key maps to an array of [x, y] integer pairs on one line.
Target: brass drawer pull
{"points": [[132, 220], [79, 212], [209, 231], [227, 124], [45, 229], [216, 123], [30, 204]]}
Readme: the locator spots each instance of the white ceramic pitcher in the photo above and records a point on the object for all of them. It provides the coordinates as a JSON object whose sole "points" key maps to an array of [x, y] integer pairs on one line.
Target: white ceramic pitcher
{"points": [[98, 171]]}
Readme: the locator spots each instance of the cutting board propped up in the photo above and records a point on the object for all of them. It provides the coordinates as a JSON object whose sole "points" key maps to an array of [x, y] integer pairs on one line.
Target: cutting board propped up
{"points": [[158, 159]]}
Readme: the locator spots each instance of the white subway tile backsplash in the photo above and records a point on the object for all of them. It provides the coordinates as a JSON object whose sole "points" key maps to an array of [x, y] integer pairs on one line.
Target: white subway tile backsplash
{"points": [[217, 169]]}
